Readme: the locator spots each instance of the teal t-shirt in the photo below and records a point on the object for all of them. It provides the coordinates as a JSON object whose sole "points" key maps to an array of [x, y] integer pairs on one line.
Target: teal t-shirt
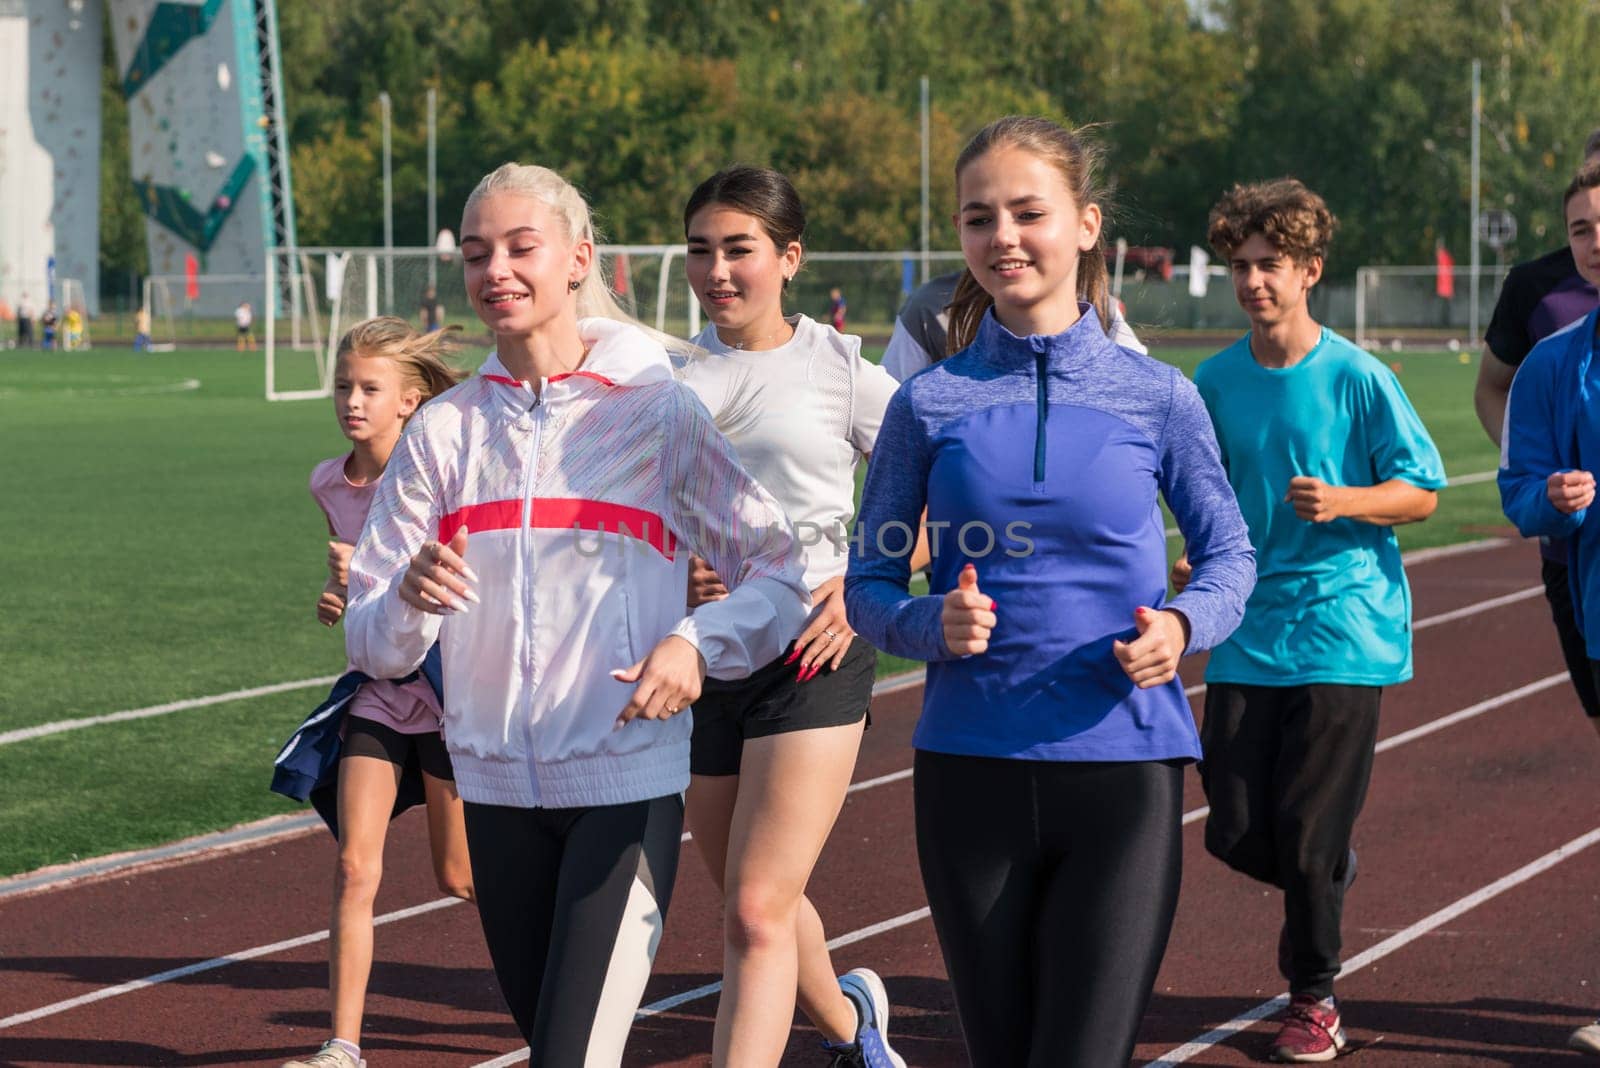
{"points": [[1331, 604]]}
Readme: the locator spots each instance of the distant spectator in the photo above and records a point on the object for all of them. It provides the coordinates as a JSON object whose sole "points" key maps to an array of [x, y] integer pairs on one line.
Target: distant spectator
{"points": [[919, 331], [73, 330], [47, 326], [141, 329], [24, 323], [430, 311], [244, 320], [836, 308]]}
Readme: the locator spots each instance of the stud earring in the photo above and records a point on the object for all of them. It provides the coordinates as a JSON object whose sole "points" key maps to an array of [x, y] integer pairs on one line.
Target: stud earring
{"points": [[572, 286]]}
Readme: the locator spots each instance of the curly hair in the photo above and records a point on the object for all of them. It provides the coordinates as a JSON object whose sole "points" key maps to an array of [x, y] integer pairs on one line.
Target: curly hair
{"points": [[1291, 217]]}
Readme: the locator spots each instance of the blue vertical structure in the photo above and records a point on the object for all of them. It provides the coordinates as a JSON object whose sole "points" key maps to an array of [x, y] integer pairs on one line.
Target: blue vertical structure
{"points": [[207, 141]]}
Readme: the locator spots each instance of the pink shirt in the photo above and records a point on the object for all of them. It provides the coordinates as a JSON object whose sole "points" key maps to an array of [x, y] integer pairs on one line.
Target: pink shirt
{"points": [[410, 708]]}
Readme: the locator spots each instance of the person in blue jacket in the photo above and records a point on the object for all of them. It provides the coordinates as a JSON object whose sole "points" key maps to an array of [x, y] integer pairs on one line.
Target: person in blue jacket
{"points": [[1054, 730], [1552, 442]]}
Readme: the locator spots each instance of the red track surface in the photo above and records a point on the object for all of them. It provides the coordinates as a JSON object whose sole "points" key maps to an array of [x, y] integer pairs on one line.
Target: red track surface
{"points": [[1448, 814]]}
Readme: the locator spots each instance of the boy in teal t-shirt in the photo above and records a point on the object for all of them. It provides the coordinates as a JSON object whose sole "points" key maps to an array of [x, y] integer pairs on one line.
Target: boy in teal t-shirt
{"points": [[1326, 455]]}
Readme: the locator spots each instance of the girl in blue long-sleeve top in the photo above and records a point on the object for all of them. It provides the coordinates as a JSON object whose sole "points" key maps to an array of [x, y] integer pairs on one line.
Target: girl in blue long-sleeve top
{"points": [[1054, 730]]}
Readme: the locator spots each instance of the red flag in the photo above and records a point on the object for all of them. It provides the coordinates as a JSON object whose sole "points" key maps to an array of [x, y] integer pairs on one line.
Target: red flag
{"points": [[1445, 282], [191, 276], [619, 276]]}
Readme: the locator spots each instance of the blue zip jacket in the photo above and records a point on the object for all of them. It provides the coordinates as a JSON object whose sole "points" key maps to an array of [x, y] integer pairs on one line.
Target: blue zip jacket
{"points": [[1042, 461], [1553, 424], [307, 767]]}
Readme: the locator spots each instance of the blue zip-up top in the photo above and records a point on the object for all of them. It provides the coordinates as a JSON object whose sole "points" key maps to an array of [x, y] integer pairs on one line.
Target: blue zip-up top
{"points": [[1039, 460], [1553, 424]]}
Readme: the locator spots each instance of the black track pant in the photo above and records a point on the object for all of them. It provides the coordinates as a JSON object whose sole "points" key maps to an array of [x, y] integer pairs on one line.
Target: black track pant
{"points": [[1286, 771], [1573, 650], [1052, 887], [572, 903]]}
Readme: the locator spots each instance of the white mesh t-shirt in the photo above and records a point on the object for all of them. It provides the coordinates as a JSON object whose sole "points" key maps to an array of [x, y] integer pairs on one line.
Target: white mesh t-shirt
{"points": [[800, 416]]}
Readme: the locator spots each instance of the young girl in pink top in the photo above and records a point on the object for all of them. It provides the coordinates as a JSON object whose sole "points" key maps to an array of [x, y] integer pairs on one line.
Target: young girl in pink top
{"points": [[384, 371]]}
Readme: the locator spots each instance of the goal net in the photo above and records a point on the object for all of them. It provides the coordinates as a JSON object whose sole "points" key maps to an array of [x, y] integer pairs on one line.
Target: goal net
{"points": [[197, 314], [1397, 306], [311, 296]]}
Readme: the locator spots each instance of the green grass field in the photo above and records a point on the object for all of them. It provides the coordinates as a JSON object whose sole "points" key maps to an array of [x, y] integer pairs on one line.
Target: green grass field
{"points": [[163, 547]]}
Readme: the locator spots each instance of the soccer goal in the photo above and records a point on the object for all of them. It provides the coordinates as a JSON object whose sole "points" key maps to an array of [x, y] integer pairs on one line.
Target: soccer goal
{"points": [[313, 295], [196, 311], [1400, 306]]}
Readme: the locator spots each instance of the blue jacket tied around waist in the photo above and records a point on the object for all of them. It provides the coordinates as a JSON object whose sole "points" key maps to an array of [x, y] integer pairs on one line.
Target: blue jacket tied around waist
{"points": [[307, 767]]}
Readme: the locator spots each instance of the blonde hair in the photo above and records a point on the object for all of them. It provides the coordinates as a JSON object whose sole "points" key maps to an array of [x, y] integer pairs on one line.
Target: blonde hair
{"points": [[1079, 161], [594, 297], [420, 357]]}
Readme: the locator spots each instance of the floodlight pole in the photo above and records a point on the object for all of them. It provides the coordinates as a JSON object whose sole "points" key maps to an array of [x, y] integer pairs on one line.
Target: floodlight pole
{"points": [[388, 208], [433, 175], [1477, 122], [924, 179]]}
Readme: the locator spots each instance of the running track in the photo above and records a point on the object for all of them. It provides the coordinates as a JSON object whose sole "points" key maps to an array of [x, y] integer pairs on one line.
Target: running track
{"points": [[1471, 933]]}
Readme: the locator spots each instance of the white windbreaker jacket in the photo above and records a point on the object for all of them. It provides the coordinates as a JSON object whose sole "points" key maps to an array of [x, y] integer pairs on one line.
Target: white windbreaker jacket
{"points": [[583, 504]]}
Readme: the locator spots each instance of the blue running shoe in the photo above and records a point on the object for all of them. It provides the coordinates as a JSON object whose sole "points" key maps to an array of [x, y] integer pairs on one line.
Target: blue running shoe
{"points": [[871, 1048]]}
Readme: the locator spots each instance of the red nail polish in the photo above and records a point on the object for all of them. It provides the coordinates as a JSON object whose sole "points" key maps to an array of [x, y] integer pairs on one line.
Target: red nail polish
{"points": [[992, 605], [792, 657]]}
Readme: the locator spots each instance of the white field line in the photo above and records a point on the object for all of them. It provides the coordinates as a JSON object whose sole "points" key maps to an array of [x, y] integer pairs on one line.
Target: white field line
{"points": [[1389, 945], [44, 729], [888, 685], [843, 940], [891, 684], [1450, 483], [286, 826]]}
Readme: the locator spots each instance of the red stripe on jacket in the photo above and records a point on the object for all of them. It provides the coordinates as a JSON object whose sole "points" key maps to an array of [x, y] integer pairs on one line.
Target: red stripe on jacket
{"points": [[564, 513]]}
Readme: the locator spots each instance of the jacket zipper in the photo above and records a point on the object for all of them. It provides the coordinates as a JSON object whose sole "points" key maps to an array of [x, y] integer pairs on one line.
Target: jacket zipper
{"points": [[528, 480], [1039, 425]]}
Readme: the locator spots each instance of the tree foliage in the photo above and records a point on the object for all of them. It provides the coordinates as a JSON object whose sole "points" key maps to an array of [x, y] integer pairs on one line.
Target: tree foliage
{"points": [[637, 100]]}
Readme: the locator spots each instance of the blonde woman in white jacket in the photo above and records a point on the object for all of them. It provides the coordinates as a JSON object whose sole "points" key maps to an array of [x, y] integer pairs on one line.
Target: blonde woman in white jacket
{"points": [[538, 520]]}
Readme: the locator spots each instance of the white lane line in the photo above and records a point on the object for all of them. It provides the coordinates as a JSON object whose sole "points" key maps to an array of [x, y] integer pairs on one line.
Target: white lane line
{"points": [[1389, 945], [1394, 741], [45, 729], [1192, 816], [888, 685], [1464, 612], [210, 965], [1474, 609], [1188, 818], [667, 1004]]}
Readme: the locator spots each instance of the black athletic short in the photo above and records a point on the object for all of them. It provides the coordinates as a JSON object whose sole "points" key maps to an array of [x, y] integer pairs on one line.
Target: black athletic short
{"points": [[369, 738], [774, 701]]}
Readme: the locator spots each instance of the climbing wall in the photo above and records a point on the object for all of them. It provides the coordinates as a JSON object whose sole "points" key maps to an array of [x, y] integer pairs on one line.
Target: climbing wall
{"points": [[197, 132], [49, 146]]}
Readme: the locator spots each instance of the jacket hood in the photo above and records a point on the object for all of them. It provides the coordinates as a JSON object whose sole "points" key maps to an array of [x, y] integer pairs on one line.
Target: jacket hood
{"points": [[620, 354]]}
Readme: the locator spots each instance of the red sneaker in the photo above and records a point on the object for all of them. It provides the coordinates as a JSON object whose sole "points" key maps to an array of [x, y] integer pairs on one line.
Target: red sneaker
{"points": [[1311, 1031]]}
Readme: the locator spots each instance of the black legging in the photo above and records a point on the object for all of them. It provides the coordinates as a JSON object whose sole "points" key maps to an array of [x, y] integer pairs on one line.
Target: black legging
{"points": [[1053, 887], [572, 903]]}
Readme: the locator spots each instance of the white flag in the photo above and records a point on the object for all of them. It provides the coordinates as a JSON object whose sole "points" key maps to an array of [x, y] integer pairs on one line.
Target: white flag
{"points": [[334, 282], [1199, 265]]}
